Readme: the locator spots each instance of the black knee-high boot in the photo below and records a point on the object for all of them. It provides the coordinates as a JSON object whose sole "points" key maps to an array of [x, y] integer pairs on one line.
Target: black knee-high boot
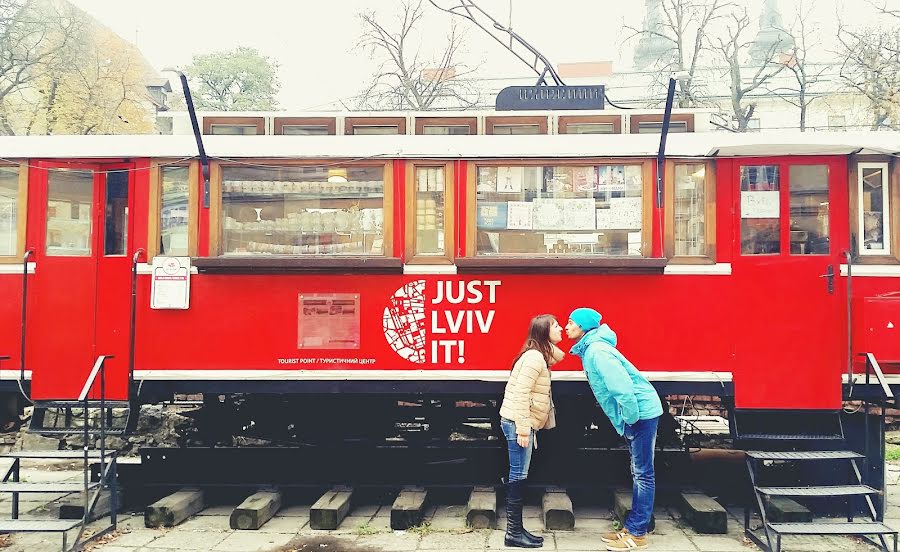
{"points": [[528, 535], [515, 535]]}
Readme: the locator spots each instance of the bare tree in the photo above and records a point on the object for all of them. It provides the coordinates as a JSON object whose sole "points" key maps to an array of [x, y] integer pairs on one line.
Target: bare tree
{"points": [[34, 38], [871, 67], [805, 74], [408, 79], [685, 28], [733, 48]]}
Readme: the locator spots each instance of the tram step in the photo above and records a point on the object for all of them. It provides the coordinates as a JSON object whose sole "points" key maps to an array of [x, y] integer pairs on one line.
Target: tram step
{"points": [[38, 525], [805, 455], [56, 454], [60, 488], [790, 437], [66, 417], [823, 491], [836, 528]]}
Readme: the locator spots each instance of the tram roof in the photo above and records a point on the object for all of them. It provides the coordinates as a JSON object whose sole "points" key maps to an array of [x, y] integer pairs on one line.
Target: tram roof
{"points": [[700, 145]]}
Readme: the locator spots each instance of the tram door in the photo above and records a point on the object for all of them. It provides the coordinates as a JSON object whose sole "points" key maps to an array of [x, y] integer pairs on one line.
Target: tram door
{"points": [[791, 226], [78, 297]]}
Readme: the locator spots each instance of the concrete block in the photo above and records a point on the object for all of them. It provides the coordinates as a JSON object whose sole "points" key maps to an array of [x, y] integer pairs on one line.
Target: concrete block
{"points": [[72, 507], [784, 510], [328, 512], [481, 510], [173, 509], [254, 512], [622, 506], [703, 513], [409, 508], [557, 511], [33, 441]]}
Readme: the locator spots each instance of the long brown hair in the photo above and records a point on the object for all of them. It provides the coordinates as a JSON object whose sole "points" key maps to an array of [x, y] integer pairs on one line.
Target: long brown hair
{"points": [[539, 337]]}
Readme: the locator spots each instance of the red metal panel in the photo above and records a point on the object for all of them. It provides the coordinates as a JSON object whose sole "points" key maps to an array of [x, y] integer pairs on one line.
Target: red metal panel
{"points": [[250, 322], [790, 345], [399, 211], [460, 174], [61, 302], [724, 210]]}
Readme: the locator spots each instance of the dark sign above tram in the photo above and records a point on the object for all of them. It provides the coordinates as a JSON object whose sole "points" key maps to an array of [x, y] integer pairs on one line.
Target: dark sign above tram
{"points": [[519, 98]]}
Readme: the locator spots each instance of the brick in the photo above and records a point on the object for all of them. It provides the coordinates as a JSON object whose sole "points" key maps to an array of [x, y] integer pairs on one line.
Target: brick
{"points": [[557, 511], [409, 508], [703, 513], [328, 512], [622, 507], [255, 511], [481, 510], [173, 509], [784, 510], [72, 507]]}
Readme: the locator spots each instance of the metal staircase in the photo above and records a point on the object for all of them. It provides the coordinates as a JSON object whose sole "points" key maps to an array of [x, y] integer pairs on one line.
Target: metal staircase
{"points": [[87, 409], [813, 443]]}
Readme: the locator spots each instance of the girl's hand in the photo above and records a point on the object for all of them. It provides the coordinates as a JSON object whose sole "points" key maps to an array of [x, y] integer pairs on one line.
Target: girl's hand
{"points": [[523, 440]]}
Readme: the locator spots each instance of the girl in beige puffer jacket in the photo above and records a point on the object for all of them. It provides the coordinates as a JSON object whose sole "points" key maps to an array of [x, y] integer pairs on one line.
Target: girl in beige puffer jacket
{"points": [[527, 407]]}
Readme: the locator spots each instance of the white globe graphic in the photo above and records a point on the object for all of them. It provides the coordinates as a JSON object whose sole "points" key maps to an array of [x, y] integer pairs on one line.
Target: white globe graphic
{"points": [[404, 322]]}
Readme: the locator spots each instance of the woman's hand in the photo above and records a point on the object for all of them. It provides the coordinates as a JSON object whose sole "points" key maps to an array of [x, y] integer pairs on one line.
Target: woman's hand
{"points": [[523, 440]]}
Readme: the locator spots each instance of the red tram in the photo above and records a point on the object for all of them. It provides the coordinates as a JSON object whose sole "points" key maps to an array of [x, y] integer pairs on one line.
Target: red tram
{"points": [[407, 266]]}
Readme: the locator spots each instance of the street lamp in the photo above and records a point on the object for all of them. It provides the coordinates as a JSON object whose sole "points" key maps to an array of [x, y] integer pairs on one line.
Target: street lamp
{"points": [[204, 161]]}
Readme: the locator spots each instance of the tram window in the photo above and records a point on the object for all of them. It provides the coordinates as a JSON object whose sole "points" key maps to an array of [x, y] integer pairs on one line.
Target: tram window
{"points": [[304, 130], [570, 210], [655, 127], [873, 215], [516, 129], [760, 210], [808, 186], [231, 130], [69, 201], [302, 210], [430, 211], [9, 205], [590, 128], [115, 225], [173, 223], [446, 130], [690, 210], [376, 129]]}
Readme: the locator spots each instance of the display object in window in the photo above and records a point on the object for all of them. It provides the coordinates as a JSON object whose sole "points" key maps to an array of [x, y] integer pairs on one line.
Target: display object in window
{"points": [[760, 210], [874, 222], [303, 211], [9, 205], [567, 210], [690, 210]]}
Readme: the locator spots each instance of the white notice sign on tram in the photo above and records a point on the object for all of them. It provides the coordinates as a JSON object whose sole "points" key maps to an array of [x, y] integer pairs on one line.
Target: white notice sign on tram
{"points": [[171, 284], [760, 205]]}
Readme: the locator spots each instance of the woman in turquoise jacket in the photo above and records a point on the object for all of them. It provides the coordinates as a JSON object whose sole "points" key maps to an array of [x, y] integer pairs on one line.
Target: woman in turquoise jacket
{"points": [[633, 408]]}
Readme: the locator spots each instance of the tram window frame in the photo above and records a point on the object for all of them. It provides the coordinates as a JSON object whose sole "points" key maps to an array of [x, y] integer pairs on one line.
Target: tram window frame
{"points": [[217, 217], [709, 199], [21, 212], [646, 166], [890, 255], [154, 229], [423, 123], [259, 123], [280, 124], [411, 215]]}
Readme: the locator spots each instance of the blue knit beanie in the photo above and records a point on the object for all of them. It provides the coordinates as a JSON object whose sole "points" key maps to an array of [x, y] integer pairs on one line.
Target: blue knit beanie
{"points": [[587, 319]]}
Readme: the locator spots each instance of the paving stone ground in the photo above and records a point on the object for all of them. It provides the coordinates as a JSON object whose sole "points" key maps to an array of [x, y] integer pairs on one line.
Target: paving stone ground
{"points": [[367, 529]]}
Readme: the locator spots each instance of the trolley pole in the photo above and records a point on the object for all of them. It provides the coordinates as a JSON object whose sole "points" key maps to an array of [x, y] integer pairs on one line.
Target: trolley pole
{"points": [[661, 155]]}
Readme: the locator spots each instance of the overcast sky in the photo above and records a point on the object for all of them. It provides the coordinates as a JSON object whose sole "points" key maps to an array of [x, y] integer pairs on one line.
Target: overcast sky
{"points": [[315, 42]]}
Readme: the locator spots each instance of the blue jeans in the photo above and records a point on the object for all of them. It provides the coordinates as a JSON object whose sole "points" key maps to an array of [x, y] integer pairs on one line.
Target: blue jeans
{"points": [[519, 457], [641, 438]]}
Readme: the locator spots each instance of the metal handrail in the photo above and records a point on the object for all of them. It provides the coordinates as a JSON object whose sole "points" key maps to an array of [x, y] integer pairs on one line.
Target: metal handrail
{"points": [[98, 369], [28, 254], [131, 336], [886, 395], [872, 363], [98, 365]]}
